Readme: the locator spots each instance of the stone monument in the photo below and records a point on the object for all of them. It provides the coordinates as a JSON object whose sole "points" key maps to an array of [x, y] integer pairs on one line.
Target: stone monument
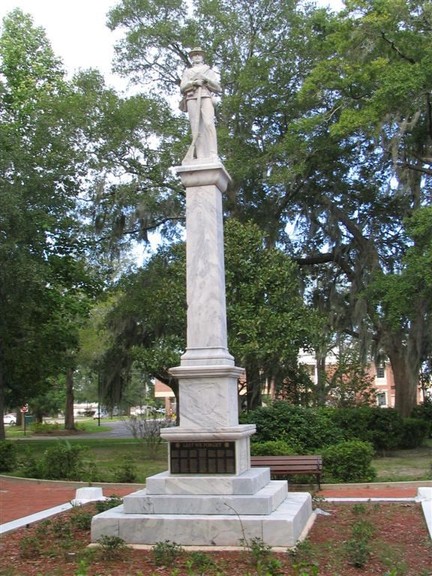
{"points": [[210, 495]]}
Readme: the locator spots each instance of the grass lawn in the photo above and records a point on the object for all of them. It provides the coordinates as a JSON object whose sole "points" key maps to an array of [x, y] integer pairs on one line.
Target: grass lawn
{"points": [[110, 459], [106, 459], [405, 465], [87, 425]]}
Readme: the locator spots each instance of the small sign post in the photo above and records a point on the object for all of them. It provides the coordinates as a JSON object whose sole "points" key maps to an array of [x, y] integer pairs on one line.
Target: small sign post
{"points": [[24, 410]]}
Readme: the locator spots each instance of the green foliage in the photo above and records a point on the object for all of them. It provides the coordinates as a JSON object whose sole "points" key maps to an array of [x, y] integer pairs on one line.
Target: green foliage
{"points": [[358, 548], [126, 471], [349, 462], [271, 448], [112, 502], [424, 412], [83, 568], [81, 518], [265, 301], [305, 569], [8, 456], [265, 304], [30, 547], [304, 429], [381, 427], [46, 281], [199, 562], [46, 427], [113, 547], [56, 536], [414, 432], [358, 552], [61, 462], [262, 557], [166, 553]]}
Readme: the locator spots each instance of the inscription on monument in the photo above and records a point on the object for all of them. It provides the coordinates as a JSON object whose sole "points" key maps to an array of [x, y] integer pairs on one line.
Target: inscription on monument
{"points": [[202, 457]]}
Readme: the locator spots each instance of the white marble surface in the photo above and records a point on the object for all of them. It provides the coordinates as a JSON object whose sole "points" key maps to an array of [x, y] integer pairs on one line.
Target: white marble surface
{"points": [[247, 483], [88, 494], [207, 434], [205, 269], [32, 518], [265, 501], [208, 403], [209, 396], [282, 527], [202, 173], [425, 497]]}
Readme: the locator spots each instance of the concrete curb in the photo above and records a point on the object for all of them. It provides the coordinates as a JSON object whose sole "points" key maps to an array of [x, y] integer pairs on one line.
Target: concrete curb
{"points": [[27, 520]]}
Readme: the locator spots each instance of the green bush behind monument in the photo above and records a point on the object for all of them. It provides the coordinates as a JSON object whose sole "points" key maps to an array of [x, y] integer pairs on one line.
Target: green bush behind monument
{"points": [[347, 438]]}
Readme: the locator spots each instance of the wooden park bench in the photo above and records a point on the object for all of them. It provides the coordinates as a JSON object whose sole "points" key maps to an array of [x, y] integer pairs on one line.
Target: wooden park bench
{"points": [[290, 465]]}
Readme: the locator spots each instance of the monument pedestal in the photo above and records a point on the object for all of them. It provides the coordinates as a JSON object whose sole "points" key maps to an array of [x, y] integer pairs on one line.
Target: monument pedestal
{"points": [[210, 496], [209, 511]]}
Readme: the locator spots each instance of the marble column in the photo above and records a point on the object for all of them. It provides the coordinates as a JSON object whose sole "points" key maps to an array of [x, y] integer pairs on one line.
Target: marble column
{"points": [[208, 379]]}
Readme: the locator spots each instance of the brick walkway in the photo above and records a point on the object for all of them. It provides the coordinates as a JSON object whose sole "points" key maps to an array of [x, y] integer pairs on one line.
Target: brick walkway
{"points": [[22, 497], [379, 490]]}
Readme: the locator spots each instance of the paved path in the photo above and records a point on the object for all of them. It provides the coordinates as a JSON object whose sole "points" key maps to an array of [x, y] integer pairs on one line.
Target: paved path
{"points": [[20, 497]]}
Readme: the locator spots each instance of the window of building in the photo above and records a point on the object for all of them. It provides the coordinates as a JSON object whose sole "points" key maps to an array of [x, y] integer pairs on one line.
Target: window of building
{"points": [[381, 399], [380, 372]]}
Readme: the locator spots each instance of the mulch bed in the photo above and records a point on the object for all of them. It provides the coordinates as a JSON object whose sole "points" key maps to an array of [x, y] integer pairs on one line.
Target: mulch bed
{"points": [[395, 537]]}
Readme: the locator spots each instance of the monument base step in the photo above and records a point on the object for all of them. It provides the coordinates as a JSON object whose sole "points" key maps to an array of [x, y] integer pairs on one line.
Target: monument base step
{"points": [[265, 501], [248, 482], [282, 527]]}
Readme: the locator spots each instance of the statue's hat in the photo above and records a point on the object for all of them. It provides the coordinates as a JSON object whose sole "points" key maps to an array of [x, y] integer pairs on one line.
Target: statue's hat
{"points": [[196, 51]]}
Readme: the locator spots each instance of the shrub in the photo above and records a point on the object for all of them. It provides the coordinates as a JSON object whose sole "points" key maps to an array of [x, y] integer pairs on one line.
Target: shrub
{"points": [[81, 518], [386, 428], [414, 432], [126, 471], [424, 412], [111, 502], [8, 456], [46, 428], [354, 422], [63, 462], [166, 553], [29, 466], [271, 448], [381, 426], [349, 461], [304, 429], [148, 430], [113, 547]]}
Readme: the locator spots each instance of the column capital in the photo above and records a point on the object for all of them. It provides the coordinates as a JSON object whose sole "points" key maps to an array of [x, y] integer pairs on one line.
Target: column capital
{"points": [[211, 174]]}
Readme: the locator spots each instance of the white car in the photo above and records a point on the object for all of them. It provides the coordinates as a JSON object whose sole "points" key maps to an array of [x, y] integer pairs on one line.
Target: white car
{"points": [[9, 419]]}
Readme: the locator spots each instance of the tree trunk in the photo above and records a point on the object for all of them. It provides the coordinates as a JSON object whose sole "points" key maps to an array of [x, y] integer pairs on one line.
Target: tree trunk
{"points": [[405, 385], [253, 382], [405, 351], [321, 385], [405, 378], [69, 411]]}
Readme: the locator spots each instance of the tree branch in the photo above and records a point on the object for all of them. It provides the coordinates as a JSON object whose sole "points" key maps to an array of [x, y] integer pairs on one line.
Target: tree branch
{"points": [[396, 49], [335, 257]]}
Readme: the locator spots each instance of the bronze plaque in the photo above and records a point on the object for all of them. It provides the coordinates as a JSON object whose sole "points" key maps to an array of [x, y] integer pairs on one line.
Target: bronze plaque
{"points": [[202, 457]]}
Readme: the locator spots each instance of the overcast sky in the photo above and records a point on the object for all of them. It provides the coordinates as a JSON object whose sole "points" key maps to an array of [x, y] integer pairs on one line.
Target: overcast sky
{"points": [[77, 30]]}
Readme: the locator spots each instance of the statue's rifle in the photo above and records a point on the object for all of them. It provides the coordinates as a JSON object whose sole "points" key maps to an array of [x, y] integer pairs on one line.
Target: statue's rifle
{"points": [[190, 153]]}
